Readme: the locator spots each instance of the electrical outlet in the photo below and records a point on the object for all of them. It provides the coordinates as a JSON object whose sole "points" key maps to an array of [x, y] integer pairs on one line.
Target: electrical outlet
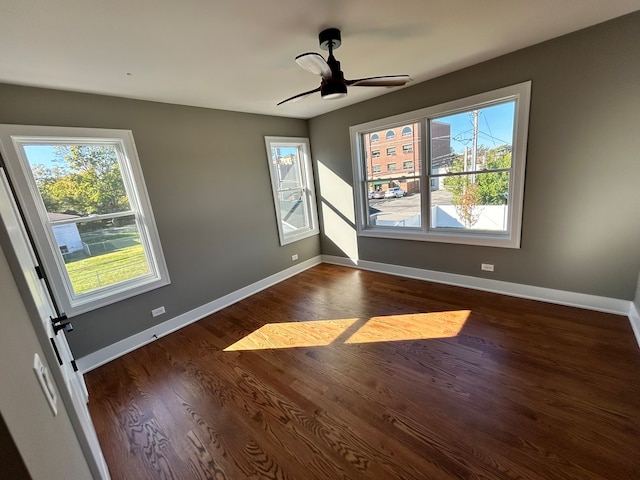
{"points": [[487, 267], [294, 257], [157, 311]]}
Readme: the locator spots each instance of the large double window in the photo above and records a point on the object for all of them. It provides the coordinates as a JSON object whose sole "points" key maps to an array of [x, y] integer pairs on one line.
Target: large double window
{"points": [[293, 187], [462, 175], [85, 201]]}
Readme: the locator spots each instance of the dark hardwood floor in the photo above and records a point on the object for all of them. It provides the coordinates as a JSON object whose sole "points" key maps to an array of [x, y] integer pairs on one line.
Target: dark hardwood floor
{"points": [[338, 373]]}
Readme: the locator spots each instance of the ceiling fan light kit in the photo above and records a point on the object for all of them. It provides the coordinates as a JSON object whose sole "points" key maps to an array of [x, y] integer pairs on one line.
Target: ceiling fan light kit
{"points": [[333, 84], [333, 90]]}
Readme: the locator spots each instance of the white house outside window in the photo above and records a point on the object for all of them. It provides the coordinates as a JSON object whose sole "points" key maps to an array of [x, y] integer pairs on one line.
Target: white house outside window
{"points": [[293, 187], [86, 204], [470, 152]]}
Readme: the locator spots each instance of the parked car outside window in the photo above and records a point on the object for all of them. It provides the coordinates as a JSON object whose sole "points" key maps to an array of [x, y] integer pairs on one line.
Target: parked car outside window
{"points": [[394, 192]]}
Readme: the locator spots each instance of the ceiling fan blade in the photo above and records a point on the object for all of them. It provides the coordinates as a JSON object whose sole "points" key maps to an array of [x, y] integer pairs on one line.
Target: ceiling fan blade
{"points": [[314, 63], [382, 81], [299, 96]]}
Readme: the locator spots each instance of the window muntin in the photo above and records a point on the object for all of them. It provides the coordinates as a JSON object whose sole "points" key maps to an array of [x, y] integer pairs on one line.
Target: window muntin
{"points": [[293, 187], [484, 202], [86, 204]]}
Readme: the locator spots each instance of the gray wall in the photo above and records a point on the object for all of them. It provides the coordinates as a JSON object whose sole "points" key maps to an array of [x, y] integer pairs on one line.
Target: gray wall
{"points": [[581, 221], [208, 180], [47, 444]]}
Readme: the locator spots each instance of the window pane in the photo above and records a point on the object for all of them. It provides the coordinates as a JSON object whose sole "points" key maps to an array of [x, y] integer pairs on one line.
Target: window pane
{"points": [[378, 159], [286, 161], [292, 210], [395, 203], [78, 179], [101, 253], [469, 145], [474, 139], [471, 201]]}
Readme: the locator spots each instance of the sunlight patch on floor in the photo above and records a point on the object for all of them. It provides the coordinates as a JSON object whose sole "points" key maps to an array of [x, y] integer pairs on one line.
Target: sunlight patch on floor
{"points": [[390, 328]]}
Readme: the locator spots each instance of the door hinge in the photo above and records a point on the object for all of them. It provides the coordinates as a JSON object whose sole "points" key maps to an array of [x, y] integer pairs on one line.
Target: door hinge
{"points": [[39, 272], [73, 364], [61, 323]]}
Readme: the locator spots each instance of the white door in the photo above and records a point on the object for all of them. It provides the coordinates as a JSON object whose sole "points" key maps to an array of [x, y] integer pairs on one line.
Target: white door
{"points": [[73, 380]]}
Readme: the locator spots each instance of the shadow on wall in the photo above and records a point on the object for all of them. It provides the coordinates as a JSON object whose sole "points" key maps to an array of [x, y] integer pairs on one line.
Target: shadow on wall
{"points": [[336, 204]]}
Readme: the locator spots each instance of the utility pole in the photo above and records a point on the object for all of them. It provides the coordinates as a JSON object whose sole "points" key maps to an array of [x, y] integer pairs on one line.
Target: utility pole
{"points": [[474, 151]]}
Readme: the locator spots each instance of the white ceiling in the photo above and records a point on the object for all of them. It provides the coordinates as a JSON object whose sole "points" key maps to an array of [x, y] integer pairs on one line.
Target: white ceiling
{"points": [[239, 54]]}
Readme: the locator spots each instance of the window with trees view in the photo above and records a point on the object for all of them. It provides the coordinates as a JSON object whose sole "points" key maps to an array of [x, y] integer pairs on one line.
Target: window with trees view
{"points": [[473, 163], [85, 202]]}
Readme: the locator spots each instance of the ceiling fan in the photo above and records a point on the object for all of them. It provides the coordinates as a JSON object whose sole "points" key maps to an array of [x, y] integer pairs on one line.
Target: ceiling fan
{"points": [[333, 84]]}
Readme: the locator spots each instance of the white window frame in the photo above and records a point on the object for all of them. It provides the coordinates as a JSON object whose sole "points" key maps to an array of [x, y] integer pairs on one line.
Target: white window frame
{"points": [[12, 138], [308, 188], [520, 94]]}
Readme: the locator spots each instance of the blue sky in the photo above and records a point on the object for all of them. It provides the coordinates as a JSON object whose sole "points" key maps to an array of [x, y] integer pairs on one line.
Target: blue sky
{"points": [[41, 154], [495, 127]]}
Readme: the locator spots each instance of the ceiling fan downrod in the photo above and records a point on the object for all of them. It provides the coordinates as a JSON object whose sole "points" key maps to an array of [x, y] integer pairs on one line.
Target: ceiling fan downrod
{"points": [[334, 87]]}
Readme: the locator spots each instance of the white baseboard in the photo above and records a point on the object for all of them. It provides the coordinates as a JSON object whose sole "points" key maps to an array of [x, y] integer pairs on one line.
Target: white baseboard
{"points": [[106, 354], [634, 318], [581, 300]]}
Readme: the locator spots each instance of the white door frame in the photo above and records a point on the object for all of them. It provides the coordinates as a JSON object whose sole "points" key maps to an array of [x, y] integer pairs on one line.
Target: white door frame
{"points": [[70, 385]]}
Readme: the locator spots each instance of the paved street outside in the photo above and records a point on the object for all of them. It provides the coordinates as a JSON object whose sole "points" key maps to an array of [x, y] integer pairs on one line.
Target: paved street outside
{"points": [[404, 208]]}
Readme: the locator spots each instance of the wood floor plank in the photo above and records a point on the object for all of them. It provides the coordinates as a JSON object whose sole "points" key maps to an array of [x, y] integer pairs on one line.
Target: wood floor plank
{"points": [[338, 373]]}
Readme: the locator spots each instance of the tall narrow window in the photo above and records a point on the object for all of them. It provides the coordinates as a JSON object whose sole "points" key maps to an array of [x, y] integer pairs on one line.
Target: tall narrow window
{"points": [[86, 204], [293, 187]]}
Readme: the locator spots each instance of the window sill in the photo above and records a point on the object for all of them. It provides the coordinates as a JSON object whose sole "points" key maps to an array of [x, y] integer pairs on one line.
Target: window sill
{"points": [[479, 239]]}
